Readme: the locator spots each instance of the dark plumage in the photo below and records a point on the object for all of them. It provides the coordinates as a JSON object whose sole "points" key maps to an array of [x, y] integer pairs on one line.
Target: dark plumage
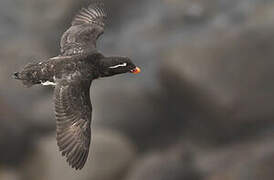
{"points": [[71, 73]]}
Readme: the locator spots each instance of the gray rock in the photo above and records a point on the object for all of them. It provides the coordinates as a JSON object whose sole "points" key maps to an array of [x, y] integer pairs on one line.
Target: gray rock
{"points": [[174, 164], [222, 85], [110, 155], [10, 174], [242, 161], [16, 141]]}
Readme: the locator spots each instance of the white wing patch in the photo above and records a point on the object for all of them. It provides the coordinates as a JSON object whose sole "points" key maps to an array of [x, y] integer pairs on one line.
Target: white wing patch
{"points": [[48, 83], [119, 65]]}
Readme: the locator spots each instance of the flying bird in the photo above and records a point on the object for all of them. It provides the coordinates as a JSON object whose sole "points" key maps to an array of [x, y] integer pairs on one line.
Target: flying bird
{"points": [[71, 73]]}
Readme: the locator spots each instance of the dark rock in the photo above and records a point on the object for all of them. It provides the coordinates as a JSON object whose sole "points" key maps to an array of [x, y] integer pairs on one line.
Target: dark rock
{"points": [[15, 140]]}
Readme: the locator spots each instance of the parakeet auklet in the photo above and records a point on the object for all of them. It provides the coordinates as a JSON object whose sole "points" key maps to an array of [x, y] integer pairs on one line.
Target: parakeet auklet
{"points": [[71, 73]]}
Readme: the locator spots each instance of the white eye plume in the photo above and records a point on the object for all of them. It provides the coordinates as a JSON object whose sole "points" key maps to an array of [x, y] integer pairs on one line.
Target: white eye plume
{"points": [[118, 65]]}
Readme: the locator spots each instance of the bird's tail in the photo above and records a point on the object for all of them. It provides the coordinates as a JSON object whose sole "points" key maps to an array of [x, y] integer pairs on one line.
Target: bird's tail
{"points": [[29, 75], [16, 75]]}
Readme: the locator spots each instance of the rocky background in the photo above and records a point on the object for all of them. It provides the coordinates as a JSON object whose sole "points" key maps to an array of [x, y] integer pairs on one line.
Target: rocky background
{"points": [[202, 108]]}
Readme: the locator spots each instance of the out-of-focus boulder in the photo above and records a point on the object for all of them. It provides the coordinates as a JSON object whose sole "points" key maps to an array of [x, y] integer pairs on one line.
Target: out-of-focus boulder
{"points": [[242, 161], [10, 174], [110, 156], [176, 163], [15, 140], [39, 20], [223, 86]]}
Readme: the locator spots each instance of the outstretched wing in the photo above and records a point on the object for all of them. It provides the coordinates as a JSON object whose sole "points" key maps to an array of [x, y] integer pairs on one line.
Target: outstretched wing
{"points": [[94, 14], [85, 29], [73, 119]]}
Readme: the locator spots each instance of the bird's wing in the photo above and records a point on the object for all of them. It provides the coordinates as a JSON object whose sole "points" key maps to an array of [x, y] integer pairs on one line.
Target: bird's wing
{"points": [[85, 29], [94, 14], [73, 118]]}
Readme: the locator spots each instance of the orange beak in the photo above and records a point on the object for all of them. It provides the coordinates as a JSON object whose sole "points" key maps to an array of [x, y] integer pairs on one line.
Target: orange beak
{"points": [[136, 70]]}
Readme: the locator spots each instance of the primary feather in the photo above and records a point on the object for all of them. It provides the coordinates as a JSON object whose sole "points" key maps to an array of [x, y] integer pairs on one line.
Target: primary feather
{"points": [[86, 27], [94, 14], [73, 118]]}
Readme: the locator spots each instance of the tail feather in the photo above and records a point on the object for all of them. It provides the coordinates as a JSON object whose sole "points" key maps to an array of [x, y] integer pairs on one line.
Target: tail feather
{"points": [[16, 75], [26, 83], [30, 74]]}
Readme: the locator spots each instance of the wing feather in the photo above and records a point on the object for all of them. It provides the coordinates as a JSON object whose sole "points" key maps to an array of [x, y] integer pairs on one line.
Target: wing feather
{"points": [[87, 25], [73, 118]]}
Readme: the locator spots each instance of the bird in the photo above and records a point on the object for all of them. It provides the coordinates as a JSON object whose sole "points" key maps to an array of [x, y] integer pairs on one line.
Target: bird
{"points": [[71, 74]]}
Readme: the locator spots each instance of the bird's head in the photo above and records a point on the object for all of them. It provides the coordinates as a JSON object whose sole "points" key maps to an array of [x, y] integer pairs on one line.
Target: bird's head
{"points": [[118, 65]]}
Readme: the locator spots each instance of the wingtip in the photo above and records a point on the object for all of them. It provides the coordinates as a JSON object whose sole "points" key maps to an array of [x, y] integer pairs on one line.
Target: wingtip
{"points": [[94, 13], [74, 155], [78, 163]]}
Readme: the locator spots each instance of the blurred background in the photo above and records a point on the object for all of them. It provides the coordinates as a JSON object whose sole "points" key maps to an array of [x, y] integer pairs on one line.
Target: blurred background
{"points": [[202, 108]]}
